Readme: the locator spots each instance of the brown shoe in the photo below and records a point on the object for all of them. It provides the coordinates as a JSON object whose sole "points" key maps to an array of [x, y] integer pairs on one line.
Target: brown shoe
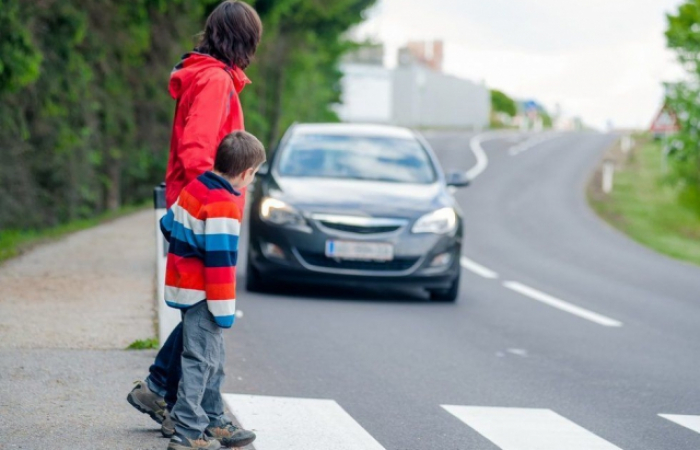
{"points": [[180, 442], [147, 401], [231, 436]]}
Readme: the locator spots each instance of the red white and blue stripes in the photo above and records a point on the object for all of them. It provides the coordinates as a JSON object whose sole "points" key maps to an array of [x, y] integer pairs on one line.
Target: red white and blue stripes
{"points": [[203, 228]]}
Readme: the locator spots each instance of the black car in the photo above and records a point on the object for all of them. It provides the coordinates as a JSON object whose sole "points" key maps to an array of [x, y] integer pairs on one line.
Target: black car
{"points": [[345, 204]]}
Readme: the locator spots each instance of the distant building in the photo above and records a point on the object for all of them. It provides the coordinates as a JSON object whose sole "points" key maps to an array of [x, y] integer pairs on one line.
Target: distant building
{"points": [[415, 94], [370, 54], [424, 98], [428, 54], [366, 93]]}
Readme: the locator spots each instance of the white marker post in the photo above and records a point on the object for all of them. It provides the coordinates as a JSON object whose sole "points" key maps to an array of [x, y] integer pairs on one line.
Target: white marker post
{"points": [[626, 143], [608, 172], [168, 318]]}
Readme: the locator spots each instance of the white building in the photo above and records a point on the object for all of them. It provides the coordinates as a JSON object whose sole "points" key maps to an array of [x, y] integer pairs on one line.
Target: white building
{"points": [[367, 94], [412, 96], [425, 98]]}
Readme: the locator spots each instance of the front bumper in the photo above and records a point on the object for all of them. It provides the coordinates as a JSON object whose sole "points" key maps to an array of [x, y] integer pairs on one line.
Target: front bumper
{"points": [[305, 261]]}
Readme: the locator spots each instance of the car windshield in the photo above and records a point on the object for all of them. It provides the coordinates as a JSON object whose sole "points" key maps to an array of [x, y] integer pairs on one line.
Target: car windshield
{"points": [[372, 158]]}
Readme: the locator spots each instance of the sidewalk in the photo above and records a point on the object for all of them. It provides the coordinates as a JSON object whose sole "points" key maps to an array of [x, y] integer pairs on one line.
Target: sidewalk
{"points": [[67, 311]]}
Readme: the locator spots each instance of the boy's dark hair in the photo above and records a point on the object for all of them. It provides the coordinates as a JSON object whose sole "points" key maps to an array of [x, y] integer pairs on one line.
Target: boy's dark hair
{"points": [[238, 152], [232, 33]]}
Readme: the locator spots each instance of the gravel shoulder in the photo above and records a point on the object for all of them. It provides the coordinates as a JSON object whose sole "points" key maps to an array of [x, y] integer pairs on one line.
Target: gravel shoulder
{"points": [[91, 290]]}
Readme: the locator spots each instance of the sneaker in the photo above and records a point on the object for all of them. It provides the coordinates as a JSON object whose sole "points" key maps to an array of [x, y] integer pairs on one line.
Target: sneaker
{"points": [[230, 435], [147, 401], [180, 442], [167, 428]]}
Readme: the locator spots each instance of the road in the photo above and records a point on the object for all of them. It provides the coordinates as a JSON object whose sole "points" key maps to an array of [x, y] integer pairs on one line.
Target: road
{"points": [[566, 336]]}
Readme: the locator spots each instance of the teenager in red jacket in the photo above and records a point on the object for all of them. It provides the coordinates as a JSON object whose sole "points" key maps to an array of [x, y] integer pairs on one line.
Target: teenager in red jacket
{"points": [[205, 85]]}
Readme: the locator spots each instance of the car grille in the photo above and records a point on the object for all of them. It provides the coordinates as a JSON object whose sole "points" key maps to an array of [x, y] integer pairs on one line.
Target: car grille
{"points": [[321, 260], [360, 229]]}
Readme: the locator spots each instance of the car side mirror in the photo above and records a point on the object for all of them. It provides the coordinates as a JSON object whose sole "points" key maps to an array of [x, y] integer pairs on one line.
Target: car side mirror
{"points": [[457, 178], [264, 169]]}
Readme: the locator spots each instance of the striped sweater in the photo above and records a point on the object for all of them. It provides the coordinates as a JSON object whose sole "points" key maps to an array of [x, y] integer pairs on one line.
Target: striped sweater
{"points": [[203, 228]]}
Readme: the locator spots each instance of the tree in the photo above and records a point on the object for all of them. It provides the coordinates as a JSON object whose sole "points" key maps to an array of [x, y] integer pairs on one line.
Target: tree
{"points": [[85, 115], [500, 102], [683, 36]]}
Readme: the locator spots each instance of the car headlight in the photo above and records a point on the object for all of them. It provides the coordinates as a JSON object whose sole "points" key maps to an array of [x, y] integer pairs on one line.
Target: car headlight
{"points": [[441, 221], [278, 212]]}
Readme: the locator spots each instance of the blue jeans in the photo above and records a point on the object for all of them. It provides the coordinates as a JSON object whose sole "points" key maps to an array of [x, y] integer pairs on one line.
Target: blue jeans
{"points": [[199, 403], [166, 371]]}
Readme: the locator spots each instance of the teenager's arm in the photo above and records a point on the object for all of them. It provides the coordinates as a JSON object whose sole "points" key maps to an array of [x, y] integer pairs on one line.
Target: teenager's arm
{"points": [[221, 229], [204, 121]]}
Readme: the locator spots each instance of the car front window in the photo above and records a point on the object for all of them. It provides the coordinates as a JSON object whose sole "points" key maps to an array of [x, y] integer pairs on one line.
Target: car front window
{"points": [[370, 158]]}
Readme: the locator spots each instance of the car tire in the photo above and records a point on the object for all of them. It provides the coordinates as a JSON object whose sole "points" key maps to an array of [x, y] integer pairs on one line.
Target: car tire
{"points": [[446, 295], [253, 279]]}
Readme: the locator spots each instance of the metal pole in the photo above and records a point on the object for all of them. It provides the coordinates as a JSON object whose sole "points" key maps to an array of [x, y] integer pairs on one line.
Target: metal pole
{"points": [[168, 318]]}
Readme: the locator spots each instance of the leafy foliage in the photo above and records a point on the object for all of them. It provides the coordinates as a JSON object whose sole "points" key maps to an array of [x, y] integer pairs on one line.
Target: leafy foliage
{"points": [[85, 115], [500, 102], [683, 36]]}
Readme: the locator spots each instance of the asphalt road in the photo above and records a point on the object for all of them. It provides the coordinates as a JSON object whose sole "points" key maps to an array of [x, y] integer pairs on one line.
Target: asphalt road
{"points": [[566, 336]]}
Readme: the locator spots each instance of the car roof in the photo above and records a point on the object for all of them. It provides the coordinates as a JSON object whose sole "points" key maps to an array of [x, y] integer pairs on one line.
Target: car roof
{"points": [[353, 129]]}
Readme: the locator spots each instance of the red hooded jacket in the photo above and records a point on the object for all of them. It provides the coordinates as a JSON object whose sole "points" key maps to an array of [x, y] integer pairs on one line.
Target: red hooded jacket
{"points": [[207, 109]]}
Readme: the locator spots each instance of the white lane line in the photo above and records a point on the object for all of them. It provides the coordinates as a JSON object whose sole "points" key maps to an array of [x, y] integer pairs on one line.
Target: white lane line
{"points": [[477, 268], [531, 143], [690, 422], [528, 429], [286, 423], [561, 304], [481, 160]]}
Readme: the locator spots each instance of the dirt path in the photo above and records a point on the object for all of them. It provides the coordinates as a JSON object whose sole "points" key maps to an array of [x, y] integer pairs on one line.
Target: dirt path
{"points": [[91, 290]]}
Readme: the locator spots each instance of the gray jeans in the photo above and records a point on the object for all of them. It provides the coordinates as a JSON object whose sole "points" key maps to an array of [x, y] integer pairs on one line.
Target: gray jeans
{"points": [[199, 403]]}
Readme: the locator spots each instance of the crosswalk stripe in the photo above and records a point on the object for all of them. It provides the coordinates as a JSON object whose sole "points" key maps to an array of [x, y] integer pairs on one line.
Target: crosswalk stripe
{"points": [[690, 422], [286, 423], [528, 429]]}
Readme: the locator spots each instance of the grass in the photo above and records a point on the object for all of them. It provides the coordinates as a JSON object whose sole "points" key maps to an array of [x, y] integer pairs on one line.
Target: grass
{"points": [[14, 242], [144, 344], [648, 210]]}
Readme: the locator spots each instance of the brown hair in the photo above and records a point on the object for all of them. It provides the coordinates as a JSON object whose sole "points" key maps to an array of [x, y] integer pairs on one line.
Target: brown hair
{"points": [[232, 33], [238, 152]]}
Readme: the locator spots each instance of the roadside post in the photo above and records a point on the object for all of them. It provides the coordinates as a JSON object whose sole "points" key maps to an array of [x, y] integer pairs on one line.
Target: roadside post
{"points": [[168, 318], [608, 172], [626, 143]]}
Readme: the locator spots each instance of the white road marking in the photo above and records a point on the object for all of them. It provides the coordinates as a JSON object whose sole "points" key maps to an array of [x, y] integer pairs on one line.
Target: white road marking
{"points": [[531, 143], [477, 268], [528, 429], [286, 423], [561, 305], [481, 160], [690, 422]]}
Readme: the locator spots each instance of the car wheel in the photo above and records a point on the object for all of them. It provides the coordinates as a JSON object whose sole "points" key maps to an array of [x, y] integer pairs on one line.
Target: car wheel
{"points": [[446, 295], [253, 279]]}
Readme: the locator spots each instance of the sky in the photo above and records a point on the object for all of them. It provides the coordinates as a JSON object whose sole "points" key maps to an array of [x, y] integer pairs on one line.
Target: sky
{"points": [[602, 60]]}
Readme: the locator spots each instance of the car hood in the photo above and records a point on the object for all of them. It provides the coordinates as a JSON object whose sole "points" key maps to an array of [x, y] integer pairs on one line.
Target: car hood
{"points": [[359, 197]]}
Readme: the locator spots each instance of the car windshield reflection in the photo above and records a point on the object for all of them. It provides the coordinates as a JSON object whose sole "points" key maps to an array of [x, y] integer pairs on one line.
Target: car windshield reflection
{"points": [[387, 159]]}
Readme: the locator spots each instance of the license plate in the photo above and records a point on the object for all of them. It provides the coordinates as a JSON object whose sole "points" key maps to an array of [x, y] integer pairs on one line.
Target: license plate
{"points": [[375, 251]]}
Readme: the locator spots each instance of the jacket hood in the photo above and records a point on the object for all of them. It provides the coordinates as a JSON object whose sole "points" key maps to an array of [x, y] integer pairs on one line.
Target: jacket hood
{"points": [[193, 64]]}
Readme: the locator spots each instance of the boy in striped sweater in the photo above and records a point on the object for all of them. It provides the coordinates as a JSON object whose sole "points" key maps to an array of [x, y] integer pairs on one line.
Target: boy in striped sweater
{"points": [[203, 228]]}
